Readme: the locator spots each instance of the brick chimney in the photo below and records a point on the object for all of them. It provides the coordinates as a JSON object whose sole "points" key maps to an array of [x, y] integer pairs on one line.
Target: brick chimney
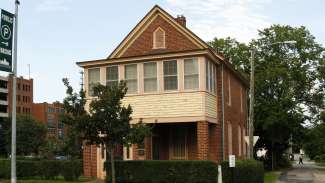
{"points": [[181, 20]]}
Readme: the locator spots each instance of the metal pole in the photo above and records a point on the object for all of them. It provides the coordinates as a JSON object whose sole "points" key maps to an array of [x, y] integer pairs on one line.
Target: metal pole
{"points": [[13, 128], [251, 108]]}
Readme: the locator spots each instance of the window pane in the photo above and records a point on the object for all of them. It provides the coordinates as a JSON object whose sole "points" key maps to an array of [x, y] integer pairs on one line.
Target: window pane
{"points": [[191, 66], [207, 75], [131, 76], [170, 83], [150, 70], [93, 79], [150, 85], [191, 74], [112, 73], [170, 75], [170, 68], [150, 77]]}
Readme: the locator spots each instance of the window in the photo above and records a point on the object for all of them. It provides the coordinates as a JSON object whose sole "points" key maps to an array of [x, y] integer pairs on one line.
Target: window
{"points": [[112, 75], [170, 75], [210, 77], [229, 138], [18, 98], [241, 99], [229, 89], [60, 125], [131, 78], [239, 141], [50, 121], [18, 86], [50, 110], [60, 134], [141, 149], [159, 38], [150, 76], [191, 74], [93, 79]]}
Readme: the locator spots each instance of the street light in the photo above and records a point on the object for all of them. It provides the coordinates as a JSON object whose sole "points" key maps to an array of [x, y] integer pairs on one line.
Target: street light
{"points": [[251, 102]]}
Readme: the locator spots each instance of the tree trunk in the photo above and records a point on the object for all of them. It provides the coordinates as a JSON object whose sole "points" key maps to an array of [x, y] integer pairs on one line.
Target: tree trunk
{"points": [[111, 149]]}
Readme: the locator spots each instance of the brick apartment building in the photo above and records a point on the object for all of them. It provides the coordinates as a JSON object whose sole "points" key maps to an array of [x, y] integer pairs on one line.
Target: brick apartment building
{"points": [[49, 115], [24, 95], [193, 95]]}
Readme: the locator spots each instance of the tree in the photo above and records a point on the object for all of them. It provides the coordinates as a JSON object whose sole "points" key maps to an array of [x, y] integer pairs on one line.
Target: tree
{"points": [[31, 135], [74, 116], [315, 141], [287, 82], [109, 122]]}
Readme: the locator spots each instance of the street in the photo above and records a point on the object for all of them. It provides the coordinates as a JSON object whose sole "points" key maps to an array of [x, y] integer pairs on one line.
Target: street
{"points": [[307, 173]]}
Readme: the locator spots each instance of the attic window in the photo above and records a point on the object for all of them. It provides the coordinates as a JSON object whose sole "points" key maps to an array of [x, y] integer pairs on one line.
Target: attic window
{"points": [[158, 38]]}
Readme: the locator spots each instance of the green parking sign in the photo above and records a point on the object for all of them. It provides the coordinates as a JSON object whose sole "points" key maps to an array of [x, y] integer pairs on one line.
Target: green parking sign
{"points": [[6, 34]]}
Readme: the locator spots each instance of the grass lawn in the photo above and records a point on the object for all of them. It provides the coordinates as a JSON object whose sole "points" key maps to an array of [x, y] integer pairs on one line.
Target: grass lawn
{"points": [[271, 177], [58, 180]]}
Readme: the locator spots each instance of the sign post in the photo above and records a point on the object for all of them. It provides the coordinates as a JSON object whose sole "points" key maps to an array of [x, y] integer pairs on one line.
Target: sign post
{"points": [[232, 165]]}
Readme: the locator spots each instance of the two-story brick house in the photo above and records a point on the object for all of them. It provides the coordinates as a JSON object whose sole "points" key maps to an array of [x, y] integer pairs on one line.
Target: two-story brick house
{"points": [[192, 96]]}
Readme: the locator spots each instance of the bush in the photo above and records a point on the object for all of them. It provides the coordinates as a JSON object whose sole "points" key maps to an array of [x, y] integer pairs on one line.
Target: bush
{"points": [[157, 171], [320, 158], [46, 169], [246, 171], [71, 170]]}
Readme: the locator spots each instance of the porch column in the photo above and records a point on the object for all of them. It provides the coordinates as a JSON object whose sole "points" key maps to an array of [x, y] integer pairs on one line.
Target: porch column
{"points": [[202, 140]]}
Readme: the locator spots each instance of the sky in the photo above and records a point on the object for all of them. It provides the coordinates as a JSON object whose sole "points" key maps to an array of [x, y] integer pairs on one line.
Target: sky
{"points": [[55, 34]]}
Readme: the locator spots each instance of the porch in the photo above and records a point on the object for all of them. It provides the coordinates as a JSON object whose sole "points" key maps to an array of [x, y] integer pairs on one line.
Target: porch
{"points": [[179, 141]]}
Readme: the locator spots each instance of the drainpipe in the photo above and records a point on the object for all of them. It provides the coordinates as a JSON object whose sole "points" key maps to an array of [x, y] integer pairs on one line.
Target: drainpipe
{"points": [[223, 115]]}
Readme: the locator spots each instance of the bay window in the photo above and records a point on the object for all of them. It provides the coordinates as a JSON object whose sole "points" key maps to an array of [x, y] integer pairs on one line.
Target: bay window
{"points": [[150, 76], [191, 74], [210, 77], [131, 78], [170, 75]]}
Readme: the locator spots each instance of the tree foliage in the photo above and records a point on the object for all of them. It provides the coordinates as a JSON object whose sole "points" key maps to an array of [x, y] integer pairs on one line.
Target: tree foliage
{"points": [[74, 117], [288, 82], [31, 135], [109, 123]]}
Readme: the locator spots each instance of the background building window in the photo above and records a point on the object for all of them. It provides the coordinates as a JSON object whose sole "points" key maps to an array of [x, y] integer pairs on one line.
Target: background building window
{"points": [[150, 76], [93, 79], [170, 75], [191, 74], [50, 121], [131, 78], [112, 75], [159, 38]]}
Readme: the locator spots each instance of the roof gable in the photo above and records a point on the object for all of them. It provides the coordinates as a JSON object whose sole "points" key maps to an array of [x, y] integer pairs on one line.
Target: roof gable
{"points": [[140, 40]]}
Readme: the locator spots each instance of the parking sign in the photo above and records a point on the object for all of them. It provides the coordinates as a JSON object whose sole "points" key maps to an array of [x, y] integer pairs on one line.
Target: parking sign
{"points": [[6, 34]]}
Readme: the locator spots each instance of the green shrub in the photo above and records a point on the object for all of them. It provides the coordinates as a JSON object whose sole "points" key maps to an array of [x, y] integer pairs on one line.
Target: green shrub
{"points": [[71, 170], [4, 169], [246, 171], [320, 158], [165, 171], [46, 169]]}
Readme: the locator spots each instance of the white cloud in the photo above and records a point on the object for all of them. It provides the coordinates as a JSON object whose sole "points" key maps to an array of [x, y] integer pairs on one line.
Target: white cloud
{"points": [[221, 18], [53, 5]]}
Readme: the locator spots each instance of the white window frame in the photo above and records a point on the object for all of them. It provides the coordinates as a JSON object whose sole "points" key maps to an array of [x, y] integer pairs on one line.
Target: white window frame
{"points": [[88, 82], [137, 74], [154, 45], [157, 78], [198, 73], [118, 74], [177, 76]]}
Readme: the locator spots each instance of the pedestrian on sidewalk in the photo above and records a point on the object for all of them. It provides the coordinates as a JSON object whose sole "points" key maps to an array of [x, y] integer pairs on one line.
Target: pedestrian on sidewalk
{"points": [[300, 159]]}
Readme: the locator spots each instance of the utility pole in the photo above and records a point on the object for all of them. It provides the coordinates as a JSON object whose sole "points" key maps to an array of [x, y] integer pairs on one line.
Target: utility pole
{"points": [[14, 88], [251, 108]]}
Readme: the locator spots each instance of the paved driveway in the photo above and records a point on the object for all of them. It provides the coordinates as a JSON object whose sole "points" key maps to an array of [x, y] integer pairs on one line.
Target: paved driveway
{"points": [[307, 173]]}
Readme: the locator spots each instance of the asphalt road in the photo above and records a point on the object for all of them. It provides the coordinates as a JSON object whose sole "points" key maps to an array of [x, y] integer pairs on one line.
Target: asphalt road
{"points": [[306, 173]]}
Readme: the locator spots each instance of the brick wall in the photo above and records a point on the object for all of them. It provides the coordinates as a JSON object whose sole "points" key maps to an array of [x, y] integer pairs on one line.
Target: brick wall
{"points": [[202, 140], [90, 161], [175, 41]]}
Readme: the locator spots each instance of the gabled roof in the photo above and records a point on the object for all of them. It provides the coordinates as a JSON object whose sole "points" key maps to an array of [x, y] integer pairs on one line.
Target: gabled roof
{"points": [[149, 17], [156, 11]]}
